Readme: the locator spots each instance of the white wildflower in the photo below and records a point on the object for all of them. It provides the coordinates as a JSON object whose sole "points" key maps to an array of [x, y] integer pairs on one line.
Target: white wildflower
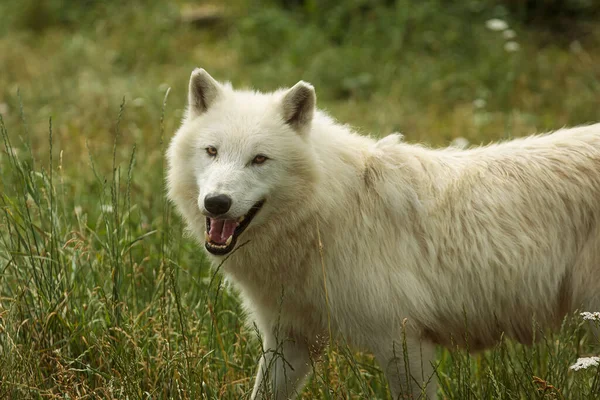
{"points": [[591, 316], [509, 34], [78, 210], [107, 208], [479, 103], [585, 363], [496, 24], [460, 143], [3, 108], [138, 102], [511, 46], [576, 47]]}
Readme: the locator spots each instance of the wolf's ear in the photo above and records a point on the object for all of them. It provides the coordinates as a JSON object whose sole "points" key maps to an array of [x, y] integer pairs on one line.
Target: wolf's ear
{"points": [[203, 91], [299, 106]]}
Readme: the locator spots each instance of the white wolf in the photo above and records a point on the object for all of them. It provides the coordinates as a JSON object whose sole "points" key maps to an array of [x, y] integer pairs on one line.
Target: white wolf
{"points": [[333, 233]]}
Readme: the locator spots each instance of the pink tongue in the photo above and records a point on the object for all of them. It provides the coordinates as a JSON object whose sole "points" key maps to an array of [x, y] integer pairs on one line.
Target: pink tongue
{"points": [[221, 230]]}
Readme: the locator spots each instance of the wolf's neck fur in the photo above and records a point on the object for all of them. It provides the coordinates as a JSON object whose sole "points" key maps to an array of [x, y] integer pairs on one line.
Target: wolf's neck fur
{"points": [[341, 156]]}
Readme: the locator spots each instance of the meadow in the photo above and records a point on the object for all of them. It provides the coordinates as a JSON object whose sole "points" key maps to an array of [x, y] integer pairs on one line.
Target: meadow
{"points": [[102, 293]]}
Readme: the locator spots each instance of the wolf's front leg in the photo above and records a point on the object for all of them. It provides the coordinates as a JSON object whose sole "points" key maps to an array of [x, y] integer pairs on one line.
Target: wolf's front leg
{"points": [[409, 368], [283, 367]]}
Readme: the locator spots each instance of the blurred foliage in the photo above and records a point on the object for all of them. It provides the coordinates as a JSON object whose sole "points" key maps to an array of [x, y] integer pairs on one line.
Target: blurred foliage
{"points": [[432, 56], [551, 12], [40, 15], [540, 11]]}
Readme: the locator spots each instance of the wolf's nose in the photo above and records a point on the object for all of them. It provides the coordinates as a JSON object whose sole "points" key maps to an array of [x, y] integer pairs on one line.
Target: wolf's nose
{"points": [[217, 204]]}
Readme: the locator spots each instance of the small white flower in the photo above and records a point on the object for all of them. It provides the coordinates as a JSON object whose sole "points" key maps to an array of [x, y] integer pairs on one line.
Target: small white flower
{"points": [[591, 316], [576, 46], [138, 102], [509, 34], [3, 108], [107, 208], [78, 210], [460, 143], [496, 24], [511, 46], [479, 103], [585, 363]]}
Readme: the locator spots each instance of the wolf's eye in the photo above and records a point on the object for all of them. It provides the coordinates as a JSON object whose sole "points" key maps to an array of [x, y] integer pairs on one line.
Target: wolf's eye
{"points": [[259, 159], [211, 151]]}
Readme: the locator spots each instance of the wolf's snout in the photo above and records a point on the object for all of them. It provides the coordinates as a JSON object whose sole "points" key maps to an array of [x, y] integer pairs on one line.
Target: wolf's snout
{"points": [[217, 204]]}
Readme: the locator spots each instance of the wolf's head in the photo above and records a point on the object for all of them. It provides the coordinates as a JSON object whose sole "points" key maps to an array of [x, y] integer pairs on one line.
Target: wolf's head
{"points": [[240, 158]]}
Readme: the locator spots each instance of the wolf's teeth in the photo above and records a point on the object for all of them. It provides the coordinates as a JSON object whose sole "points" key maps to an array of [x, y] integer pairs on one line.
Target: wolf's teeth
{"points": [[206, 237], [228, 241]]}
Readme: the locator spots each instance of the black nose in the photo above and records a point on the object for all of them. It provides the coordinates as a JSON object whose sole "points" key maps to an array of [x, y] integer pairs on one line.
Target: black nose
{"points": [[217, 204]]}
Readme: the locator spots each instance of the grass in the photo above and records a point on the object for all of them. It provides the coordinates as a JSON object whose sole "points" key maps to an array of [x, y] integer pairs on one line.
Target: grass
{"points": [[101, 293]]}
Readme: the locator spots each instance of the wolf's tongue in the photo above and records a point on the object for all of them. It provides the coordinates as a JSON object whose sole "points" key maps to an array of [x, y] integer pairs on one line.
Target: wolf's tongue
{"points": [[221, 230]]}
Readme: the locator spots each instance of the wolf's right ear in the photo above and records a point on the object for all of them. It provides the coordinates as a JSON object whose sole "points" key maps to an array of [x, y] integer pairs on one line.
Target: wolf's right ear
{"points": [[299, 106], [203, 91]]}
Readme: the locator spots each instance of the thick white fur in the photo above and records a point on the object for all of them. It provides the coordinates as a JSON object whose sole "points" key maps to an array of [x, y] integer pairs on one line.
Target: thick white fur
{"points": [[452, 242]]}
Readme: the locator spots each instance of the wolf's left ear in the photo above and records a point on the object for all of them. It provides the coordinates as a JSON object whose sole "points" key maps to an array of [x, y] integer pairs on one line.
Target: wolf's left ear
{"points": [[203, 91], [299, 106]]}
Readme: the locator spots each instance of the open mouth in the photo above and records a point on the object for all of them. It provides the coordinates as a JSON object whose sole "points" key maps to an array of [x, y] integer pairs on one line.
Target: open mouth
{"points": [[221, 234]]}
